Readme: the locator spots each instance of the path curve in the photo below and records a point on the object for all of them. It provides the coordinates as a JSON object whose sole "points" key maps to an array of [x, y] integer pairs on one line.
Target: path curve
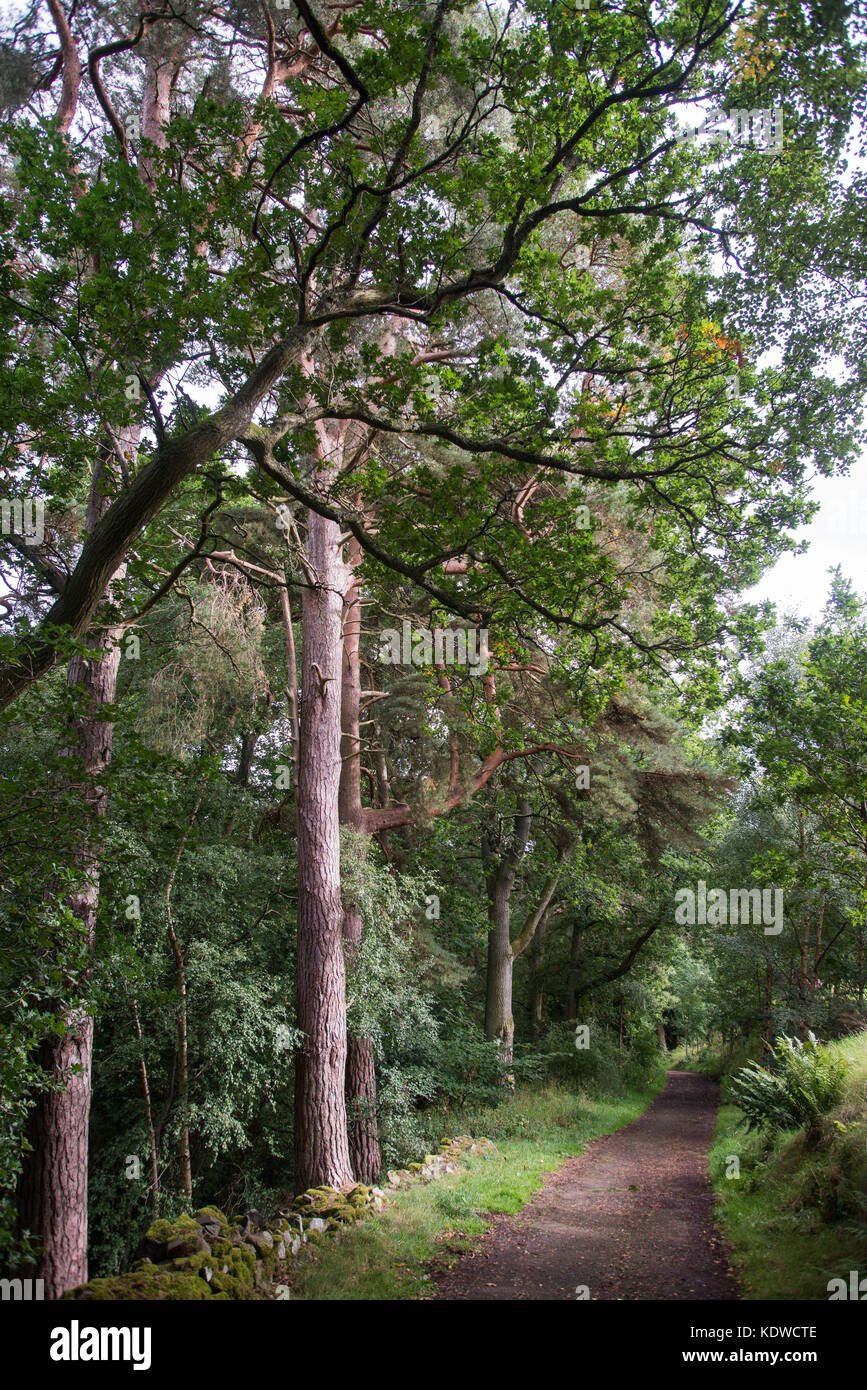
{"points": [[630, 1218]]}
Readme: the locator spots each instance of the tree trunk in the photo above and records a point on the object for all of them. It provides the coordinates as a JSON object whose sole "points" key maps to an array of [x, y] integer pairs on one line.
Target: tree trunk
{"points": [[499, 1023], [152, 1137], [574, 976], [364, 1149], [537, 992], [321, 1146], [52, 1191], [183, 1052], [768, 1000]]}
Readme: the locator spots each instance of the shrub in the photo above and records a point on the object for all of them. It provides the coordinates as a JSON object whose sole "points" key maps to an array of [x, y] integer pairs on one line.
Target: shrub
{"points": [[806, 1082]]}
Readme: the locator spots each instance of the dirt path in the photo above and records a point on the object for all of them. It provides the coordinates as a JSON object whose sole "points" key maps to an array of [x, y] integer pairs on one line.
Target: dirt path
{"points": [[630, 1218]]}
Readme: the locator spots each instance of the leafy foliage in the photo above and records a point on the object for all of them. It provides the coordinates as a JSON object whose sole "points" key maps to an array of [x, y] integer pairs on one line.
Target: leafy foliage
{"points": [[806, 1082]]}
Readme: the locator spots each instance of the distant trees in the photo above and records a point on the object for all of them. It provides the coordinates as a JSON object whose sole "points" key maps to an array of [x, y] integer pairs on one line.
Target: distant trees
{"points": [[804, 825]]}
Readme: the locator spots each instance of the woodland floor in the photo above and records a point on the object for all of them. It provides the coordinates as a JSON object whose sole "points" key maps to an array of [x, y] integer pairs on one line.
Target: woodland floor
{"points": [[630, 1218]]}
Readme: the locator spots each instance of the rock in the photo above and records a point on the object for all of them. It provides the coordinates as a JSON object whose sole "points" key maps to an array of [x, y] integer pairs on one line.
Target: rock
{"points": [[281, 1251], [161, 1233], [262, 1242], [282, 1291], [327, 1202], [212, 1221], [185, 1245], [317, 1224]]}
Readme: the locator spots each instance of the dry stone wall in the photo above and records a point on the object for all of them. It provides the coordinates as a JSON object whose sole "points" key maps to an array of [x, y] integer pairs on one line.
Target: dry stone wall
{"points": [[205, 1256]]}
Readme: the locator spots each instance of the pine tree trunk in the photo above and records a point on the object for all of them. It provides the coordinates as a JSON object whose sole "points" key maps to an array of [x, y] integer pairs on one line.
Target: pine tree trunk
{"points": [[321, 1145], [364, 1147]]}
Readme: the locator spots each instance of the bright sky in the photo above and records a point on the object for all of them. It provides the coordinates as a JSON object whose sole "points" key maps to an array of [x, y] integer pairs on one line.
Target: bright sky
{"points": [[837, 536]]}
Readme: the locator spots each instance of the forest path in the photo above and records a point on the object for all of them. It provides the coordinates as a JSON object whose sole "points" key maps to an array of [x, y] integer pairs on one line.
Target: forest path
{"points": [[630, 1218]]}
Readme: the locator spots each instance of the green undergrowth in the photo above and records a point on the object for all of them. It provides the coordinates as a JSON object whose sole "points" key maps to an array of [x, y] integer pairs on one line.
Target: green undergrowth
{"points": [[715, 1062], [397, 1253], [796, 1217]]}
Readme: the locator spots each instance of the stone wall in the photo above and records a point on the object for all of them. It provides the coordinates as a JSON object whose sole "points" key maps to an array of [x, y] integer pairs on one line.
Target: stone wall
{"points": [[205, 1256]]}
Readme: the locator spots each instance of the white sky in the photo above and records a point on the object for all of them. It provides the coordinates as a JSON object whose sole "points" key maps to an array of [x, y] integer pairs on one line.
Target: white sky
{"points": [[837, 536]]}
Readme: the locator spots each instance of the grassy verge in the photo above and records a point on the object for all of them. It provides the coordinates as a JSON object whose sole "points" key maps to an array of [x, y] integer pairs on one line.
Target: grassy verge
{"points": [[711, 1060], [796, 1216], [395, 1254]]}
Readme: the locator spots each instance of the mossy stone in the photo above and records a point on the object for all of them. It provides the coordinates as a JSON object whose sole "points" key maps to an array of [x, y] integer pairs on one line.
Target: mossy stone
{"points": [[212, 1216]]}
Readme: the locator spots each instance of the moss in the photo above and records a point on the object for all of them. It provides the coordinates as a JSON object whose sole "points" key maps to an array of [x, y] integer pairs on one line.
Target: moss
{"points": [[268, 1258], [161, 1232], [239, 1280], [233, 1276], [213, 1215], [154, 1283], [233, 1269], [328, 1202]]}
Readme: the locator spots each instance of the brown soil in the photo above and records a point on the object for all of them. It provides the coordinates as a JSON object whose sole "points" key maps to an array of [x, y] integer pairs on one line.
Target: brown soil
{"points": [[630, 1218]]}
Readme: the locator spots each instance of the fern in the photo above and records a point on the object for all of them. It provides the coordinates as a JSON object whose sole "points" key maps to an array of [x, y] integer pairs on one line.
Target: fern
{"points": [[806, 1081]]}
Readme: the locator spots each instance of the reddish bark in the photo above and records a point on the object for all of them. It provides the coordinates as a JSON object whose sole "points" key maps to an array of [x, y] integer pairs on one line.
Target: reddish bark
{"points": [[321, 1145]]}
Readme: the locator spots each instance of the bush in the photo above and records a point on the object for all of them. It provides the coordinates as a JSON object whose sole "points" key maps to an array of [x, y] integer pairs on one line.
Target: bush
{"points": [[805, 1083]]}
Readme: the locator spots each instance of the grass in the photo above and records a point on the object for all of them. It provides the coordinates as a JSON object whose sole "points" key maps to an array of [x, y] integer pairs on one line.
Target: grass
{"points": [[711, 1060], [797, 1215], [395, 1254]]}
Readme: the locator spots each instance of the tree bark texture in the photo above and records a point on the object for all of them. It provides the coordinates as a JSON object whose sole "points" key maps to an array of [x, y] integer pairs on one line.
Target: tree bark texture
{"points": [[321, 1144]]}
